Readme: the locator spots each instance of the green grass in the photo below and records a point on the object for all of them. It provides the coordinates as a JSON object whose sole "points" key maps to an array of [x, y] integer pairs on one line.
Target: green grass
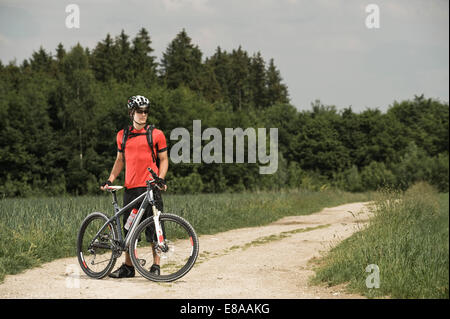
{"points": [[408, 239], [38, 230]]}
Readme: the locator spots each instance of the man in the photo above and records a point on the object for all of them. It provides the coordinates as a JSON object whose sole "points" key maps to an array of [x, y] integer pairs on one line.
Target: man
{"points": [[137, 157]]}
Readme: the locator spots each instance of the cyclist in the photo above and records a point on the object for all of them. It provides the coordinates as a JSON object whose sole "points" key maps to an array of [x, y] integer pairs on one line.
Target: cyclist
{"points": [[137, 157]]}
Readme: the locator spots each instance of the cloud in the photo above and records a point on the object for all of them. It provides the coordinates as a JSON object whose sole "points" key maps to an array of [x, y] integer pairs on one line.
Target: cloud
{"points": [[340, 43], [196, 5], [411, 10], [4, 41], [18, 22], [322, 48]]}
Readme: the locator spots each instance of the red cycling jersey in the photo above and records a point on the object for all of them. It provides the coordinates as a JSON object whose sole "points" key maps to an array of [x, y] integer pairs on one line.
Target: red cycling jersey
{"points": [[138, 156]]}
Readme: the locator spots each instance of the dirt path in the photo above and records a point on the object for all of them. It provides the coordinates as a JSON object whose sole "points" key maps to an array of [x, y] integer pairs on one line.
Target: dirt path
{"points": [[259, 262]]}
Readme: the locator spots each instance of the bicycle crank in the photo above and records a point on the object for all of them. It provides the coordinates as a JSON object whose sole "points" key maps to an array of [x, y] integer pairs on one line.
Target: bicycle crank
{"points": [[142, 262]]}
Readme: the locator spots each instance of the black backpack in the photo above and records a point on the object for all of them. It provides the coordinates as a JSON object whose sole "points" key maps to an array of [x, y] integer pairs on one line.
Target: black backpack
{"points": [[149, 132]]}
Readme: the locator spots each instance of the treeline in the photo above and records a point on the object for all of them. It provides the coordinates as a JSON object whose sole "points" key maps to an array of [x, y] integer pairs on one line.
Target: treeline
{"points": [[59, 115]]}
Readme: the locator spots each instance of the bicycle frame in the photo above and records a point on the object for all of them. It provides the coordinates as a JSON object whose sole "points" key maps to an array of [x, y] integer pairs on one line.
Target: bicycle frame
{"points": [[147, 199]]}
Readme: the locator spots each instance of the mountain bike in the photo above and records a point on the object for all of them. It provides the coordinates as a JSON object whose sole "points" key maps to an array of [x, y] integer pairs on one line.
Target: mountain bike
{"points": [[100, 241]]}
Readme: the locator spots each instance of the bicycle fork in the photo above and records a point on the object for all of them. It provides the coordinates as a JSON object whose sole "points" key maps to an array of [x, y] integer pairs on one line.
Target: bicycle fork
{"points": [[158, 229]]}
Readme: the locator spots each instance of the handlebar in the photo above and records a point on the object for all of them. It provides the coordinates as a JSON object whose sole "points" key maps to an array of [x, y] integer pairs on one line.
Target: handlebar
{"points": [[156, 181]]}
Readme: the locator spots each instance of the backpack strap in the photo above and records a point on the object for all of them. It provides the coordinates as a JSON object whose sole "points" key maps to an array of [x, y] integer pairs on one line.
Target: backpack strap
{"points": [[150, 129], [126, 132]]}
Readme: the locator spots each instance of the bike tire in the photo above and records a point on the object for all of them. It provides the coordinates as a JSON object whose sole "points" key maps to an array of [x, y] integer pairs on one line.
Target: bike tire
{"points": [[88, 229], [183, 248]]}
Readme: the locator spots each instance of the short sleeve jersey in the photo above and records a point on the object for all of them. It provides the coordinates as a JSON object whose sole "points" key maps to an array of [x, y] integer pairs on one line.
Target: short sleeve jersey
{"points": [[138, 156]]}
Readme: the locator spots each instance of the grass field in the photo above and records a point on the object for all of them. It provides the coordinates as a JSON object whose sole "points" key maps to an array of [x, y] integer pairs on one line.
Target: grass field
{"points": [[37, 230], [408, 239]]}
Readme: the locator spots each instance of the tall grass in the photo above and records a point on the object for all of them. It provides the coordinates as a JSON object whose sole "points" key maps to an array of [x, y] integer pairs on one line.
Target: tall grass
{"points": [[408, 239], [38, 230]]}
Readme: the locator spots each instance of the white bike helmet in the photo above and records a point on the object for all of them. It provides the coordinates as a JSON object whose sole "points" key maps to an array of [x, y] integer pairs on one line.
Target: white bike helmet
{"points": [[137, 101]]}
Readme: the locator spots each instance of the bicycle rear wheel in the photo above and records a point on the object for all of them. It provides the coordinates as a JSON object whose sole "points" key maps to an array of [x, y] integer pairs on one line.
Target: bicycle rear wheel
{"points": [[177, 257], [96, 258]]}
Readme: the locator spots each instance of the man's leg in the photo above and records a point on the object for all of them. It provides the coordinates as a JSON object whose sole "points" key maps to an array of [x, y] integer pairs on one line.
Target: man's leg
{"points": [[128, 259], [127, 269], [128, 196]]}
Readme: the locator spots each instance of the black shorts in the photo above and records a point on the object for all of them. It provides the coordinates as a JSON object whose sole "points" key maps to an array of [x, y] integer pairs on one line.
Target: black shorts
{"points": [[131, 194]]}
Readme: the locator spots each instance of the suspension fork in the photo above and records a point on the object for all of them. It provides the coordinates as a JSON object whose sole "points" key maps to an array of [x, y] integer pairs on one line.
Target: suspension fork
{"points": [[158, 228], [156, 214]]}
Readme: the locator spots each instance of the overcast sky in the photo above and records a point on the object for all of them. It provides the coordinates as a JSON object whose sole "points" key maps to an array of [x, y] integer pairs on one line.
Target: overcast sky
{"points": [[323, 48]]}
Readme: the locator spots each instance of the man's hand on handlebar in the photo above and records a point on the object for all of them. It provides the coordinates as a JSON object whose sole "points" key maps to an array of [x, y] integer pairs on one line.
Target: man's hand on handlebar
{"points": [[163, 187], [105, 185], [160, 182]]}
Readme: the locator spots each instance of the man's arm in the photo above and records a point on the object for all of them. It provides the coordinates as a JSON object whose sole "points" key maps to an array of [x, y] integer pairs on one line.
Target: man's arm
{"points": [[163, 165], [117, 168]]}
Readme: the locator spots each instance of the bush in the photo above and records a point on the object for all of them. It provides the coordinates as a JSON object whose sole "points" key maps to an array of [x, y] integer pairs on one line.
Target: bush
{"points": [[375, 176], [191, 184], [349, 180], [416, 166], [439, 176]]}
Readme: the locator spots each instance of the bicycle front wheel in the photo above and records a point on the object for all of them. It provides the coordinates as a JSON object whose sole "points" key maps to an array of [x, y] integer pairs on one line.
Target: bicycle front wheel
{"points": [[176, 257], [96, 257]]}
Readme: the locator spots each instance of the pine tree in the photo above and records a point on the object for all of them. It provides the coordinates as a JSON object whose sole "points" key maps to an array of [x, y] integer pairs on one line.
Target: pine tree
{"points": [[276, 90], [257, 79], [60, 52], [123, 72], [239, 87], [104, 59], [210, 87], [182, 63], [220, 64], [41, 61], [142, 63]]}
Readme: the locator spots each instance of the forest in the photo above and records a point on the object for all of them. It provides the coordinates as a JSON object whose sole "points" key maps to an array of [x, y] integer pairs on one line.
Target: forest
{"points": [[60, 113]]}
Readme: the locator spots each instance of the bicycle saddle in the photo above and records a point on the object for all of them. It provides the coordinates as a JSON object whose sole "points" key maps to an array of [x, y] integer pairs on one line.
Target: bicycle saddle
{"points": [[113, 188]]}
